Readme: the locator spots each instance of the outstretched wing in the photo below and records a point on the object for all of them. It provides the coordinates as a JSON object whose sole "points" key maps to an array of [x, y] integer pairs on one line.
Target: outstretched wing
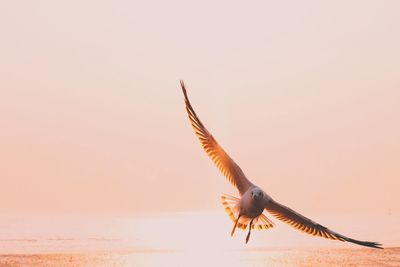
{"points": [[308, 226], [224, 163]]}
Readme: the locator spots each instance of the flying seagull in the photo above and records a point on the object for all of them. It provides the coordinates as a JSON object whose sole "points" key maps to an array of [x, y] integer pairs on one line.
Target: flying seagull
{"points": [[248, 209]]}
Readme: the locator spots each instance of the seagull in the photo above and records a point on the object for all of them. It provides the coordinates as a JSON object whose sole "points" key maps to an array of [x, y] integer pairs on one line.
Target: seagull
{"points": [[248, 209]]}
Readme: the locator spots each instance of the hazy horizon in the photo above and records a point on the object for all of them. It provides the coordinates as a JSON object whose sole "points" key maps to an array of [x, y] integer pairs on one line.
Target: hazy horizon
{"points": [[182, 231]]}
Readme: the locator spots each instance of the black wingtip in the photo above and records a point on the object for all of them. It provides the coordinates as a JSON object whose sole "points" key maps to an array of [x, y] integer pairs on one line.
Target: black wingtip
{"points": [[374, 245], [185, 94], [366, 243], [183, 88], [377, 245]]}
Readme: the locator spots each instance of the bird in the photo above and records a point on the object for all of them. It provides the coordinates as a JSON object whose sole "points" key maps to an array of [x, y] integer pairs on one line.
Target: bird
{"points": [[248, 210]]}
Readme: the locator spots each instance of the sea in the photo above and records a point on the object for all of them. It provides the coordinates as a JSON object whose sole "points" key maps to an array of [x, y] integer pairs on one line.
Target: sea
{"points": [[187, 239]]}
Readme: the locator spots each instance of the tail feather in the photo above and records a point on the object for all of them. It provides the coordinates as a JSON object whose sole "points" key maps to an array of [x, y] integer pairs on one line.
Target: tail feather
{"points": [[262, 222], [231, 206]]}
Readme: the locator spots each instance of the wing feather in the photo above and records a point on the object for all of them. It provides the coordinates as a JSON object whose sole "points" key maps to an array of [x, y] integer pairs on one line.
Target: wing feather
{"points": [[308, 226], [217, 154]]}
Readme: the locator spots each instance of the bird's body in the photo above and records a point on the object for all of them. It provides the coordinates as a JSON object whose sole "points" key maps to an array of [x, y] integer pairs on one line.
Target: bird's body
{"points": [[252, 203], [248, 209]]}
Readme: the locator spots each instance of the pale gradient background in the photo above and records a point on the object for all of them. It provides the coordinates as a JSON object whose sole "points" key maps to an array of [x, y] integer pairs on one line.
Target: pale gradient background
{"points": [[304, 96]]}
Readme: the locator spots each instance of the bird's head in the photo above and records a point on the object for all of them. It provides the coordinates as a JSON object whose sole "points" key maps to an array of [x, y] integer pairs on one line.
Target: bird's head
{"points": [[257, 194]]}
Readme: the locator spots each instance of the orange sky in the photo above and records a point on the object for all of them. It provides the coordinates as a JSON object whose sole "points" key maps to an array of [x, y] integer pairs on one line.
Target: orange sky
{"points": [[304, 96]]}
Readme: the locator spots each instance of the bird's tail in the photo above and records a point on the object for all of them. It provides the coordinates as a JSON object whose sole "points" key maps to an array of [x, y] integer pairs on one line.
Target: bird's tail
{"points": [[231, 206]]}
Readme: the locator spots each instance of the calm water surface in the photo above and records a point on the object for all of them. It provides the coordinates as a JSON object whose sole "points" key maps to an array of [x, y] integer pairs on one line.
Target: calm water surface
{"points": [[189, 239], [280, 257]]}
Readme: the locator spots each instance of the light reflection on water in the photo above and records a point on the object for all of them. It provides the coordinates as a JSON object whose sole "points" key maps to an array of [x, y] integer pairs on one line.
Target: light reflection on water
{"points": [[185, 239], [232, 258]]}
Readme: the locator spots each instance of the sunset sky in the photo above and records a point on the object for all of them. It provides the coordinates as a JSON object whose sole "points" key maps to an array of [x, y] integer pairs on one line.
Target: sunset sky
{"points": [[304, 96]]}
